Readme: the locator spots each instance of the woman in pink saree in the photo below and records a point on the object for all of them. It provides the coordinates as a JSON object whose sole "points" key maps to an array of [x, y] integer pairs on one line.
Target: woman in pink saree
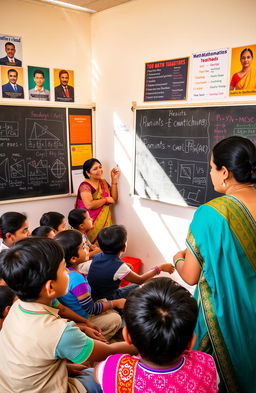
{"points": [[96, 195]]}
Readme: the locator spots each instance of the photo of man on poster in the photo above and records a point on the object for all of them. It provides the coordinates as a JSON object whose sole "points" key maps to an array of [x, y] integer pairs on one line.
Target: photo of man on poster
{"points": [[9, 59], [12, 89], [64, 92], [39, 92]]}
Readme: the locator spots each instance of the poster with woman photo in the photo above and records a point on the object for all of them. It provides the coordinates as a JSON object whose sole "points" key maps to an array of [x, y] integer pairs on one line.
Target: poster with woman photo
{"points": [[39, 83], [10, 50], [243, 71]]}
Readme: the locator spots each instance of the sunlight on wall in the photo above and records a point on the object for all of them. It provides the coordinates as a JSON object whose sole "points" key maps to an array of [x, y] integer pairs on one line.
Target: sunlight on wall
{"points": [[163, 229], [96, 74]]}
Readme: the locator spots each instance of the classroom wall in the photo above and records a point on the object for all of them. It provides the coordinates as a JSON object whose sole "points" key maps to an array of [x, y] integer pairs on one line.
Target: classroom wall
{"points": [[107, 52], [53, 37], [123, 39]]}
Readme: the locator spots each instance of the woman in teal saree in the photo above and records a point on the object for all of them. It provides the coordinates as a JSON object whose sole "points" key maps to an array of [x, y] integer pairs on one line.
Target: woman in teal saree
{"points": [[221, 259]]}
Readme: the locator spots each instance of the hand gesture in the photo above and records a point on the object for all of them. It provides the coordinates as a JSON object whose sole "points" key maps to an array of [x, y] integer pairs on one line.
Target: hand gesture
{"points": [[75, 369], [119, 303], [167, 267], [93, 333], [93, 326], [110, 200], [115, 173]]}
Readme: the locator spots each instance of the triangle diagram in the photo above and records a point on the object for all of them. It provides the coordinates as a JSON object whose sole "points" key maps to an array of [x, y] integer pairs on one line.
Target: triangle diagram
{"points": [[39, 132], [18, 169], [35, 171]]}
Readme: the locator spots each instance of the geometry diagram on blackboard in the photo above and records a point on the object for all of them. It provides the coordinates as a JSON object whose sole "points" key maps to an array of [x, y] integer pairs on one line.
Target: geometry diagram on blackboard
{"points": [[38, 172], [17, 170], [4, 170], [186, 171], [58, 169], [9, 129], [42, 135]]}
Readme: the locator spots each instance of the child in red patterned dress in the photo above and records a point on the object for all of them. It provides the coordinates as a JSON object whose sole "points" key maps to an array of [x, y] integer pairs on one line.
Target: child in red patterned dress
{"points": [[160, 319]]}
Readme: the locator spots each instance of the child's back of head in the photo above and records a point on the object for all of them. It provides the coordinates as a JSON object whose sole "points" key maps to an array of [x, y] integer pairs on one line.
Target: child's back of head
{"points": [[112, 239], [54, 220], [70, 241], [29, 264], [43, 231], [160, 318]]}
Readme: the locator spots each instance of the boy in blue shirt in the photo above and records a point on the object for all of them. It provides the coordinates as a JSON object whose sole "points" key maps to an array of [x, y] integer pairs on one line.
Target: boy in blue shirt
{"points": [[107, 269]]}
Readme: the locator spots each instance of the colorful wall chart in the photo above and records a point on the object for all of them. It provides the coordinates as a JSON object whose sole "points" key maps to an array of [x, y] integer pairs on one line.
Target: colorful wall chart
{"points": [[209, 75]]}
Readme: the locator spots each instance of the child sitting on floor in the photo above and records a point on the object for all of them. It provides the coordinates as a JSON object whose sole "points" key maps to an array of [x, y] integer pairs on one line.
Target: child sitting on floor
{"points": [[55, 220], [13, 227], [7, 297], [78, 297], [107, 270], [80, 220], [160, 319], [35, 342]]}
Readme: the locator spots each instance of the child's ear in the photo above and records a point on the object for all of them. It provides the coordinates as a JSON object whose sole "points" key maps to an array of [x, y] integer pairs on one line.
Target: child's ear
{"points": [[192, 342], [81, 227], [6, 310], [124, 247], [10, 237], [48, 289], [126, 336], [73, 259]]}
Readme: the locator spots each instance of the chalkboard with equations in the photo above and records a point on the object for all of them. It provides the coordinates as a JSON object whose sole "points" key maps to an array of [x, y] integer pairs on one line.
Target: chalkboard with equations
{"points": [[33, 152], [173, 149]]}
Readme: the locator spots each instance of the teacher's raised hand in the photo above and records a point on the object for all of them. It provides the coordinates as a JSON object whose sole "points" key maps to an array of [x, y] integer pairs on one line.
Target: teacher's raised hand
{"points": [[115, 173]]}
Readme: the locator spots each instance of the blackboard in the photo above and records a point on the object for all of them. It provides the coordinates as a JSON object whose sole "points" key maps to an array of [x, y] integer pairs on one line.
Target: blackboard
{"points": [[33, 152], [173, 149]]}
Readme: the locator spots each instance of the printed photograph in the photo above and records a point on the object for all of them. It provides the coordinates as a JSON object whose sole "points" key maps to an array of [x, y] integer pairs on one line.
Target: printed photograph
{"points": [[12, 82], [39, 83], [64, 85], [10, 50]]}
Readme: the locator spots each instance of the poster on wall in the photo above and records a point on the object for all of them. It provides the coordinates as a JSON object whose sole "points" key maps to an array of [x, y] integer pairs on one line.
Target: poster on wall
{"points": [[80, 139], [243, 71], [39, 83], [10, 50], [209, 75], [63, 85], [12, 82], [166, 80]]}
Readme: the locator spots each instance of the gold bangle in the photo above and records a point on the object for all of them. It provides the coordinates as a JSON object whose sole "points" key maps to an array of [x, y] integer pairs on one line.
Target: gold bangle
{"points": [[177, 260]]}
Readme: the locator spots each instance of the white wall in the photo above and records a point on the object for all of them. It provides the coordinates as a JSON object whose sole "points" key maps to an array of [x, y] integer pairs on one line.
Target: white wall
{"points": [[123, 39], [53, 37]]}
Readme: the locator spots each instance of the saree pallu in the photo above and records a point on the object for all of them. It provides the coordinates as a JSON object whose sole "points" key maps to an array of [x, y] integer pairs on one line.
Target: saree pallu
{"points": [[101, 216], [247, 82], [222, 237]]}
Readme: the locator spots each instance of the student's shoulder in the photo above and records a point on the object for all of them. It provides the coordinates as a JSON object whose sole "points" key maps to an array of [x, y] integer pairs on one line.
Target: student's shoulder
{"points": [[111, 363], [74, 345], [200, 357], [76, 277]]}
